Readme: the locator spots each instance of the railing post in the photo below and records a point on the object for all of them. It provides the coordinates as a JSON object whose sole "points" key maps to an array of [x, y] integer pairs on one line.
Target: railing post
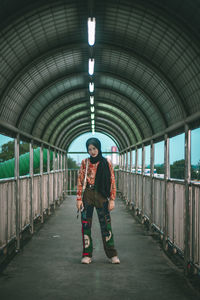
{"points": [[41, 184], [187, 254], [166, 200], [17, 195], [143, 177], [61, 175], [54, 178], [58, 177], [31, 186], [48, 183], [66, 173], [130, 177], [136, 178], [152, 182]]}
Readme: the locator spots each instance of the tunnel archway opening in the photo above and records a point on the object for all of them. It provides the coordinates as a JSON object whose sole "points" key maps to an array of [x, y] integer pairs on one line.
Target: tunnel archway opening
{"points": [[77, 149]]}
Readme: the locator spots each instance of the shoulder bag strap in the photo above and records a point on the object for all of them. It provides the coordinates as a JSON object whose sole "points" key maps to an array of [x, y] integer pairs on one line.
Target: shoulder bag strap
{"points": [[85, 179]]}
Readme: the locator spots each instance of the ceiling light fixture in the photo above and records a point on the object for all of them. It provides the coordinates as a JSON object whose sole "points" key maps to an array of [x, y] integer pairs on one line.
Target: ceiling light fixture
{"points": [[91, 87], [91, 31], [92, 108], [92, 116], [91, 100], [91, 66]]}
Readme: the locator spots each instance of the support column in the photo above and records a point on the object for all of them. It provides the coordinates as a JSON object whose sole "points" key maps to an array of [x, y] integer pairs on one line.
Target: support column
{"points": [[58, 177], [143, 178], [166, 200], [62, 176], [17, 193], [131, 160], [136, 178], [152, 182], [48, 184], [31, 186], [66, 173], [41, 184], [54, 178], [188, 240], [131, 177], [127, 160]]}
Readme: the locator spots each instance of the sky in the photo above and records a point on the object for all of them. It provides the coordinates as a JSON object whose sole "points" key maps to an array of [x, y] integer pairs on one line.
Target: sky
{"points": [[176, 147], [78, 145]]}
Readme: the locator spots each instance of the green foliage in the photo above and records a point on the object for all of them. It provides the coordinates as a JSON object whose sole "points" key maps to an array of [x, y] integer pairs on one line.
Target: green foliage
{"points": [[177, 170], [160, 169], [71, 163], [195, 172], [7, 151]]}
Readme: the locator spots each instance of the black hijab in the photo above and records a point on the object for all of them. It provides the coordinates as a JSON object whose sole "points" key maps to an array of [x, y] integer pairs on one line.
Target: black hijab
{"points": [[102, 179]]}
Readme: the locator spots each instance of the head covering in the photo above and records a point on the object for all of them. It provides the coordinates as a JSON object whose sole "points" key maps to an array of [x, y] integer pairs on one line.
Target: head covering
{"points": [[102, 179], [95, 142]]}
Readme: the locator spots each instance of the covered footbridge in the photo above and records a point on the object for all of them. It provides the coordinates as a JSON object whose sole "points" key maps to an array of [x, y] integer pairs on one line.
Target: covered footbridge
{"points": [[143, 88]]}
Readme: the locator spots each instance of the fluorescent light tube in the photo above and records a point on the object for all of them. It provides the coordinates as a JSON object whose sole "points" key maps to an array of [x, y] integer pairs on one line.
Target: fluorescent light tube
{"points": [[91, 66], [91, 100], [91, 87], [91, 31]]}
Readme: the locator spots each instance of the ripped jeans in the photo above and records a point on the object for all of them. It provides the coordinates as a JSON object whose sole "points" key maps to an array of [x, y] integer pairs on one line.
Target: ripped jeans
{"points": [[91, 199]]}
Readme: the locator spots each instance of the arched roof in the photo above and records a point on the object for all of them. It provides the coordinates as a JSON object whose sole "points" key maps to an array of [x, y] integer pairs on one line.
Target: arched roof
{"points": [[147, 67]]}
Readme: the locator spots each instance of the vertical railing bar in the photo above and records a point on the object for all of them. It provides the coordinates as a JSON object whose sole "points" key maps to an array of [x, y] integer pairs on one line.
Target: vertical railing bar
{"points": [[136, 178], [152, 182], [187, 218], [130, 175], [7, 213], [143, 178], [58, 176], [31, 186], [54, 178], [48, 181], [166, 200], [41, 184], [17, 189]]}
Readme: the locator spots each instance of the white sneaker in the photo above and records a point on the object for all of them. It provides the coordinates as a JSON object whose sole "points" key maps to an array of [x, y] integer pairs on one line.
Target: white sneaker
{"points": [[86, 260], [115, 260]]}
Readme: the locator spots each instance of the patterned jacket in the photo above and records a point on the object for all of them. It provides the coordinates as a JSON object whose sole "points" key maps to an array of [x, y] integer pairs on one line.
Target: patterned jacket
{"points": [[91, 173]]}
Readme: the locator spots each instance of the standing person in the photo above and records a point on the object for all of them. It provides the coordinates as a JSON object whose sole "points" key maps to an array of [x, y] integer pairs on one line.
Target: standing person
{"points": [[100, 192]]}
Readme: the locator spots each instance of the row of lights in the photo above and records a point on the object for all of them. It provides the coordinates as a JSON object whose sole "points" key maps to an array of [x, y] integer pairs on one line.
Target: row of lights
{"points": [[91, 42]]}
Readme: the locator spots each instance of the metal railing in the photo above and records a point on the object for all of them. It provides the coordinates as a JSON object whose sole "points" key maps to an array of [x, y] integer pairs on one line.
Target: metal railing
{"points": [[36, 196], [162, 203]]}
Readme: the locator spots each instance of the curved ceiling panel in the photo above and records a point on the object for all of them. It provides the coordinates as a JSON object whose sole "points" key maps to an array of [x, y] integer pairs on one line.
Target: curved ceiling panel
{"points": [[118, 133], [115, 118], [35, 107], [147, 67]]}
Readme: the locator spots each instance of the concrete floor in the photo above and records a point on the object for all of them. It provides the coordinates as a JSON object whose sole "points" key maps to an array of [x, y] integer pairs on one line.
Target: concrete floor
{"points": [[49, 265]]}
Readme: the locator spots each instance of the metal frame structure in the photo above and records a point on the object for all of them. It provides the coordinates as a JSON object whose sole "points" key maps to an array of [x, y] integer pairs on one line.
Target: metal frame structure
{"points": [[171, 206], [27, 198]]}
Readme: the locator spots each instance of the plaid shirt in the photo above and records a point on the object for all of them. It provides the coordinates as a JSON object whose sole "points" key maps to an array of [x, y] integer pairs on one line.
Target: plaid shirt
{"points": [[91, 173]]}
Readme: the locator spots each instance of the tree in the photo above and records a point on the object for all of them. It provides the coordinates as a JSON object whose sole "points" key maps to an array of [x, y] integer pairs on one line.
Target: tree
{"points": [[160, 169], [71, 163], [177, 170], [7, 151]]}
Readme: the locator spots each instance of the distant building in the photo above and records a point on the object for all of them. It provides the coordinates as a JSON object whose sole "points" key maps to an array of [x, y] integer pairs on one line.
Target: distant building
{"points": [[114, 156]]}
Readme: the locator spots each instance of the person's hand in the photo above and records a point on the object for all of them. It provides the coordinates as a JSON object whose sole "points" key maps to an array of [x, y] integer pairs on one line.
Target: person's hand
{"points": [[111, 205], [79, 205]]}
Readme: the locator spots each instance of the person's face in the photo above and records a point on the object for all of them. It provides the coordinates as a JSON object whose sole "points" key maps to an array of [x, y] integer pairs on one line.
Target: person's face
{"points": [[93, 151]]}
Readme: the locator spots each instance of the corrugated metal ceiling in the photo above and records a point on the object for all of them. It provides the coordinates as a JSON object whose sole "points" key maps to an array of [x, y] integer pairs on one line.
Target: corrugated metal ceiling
{"points": [[147, 67]]}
